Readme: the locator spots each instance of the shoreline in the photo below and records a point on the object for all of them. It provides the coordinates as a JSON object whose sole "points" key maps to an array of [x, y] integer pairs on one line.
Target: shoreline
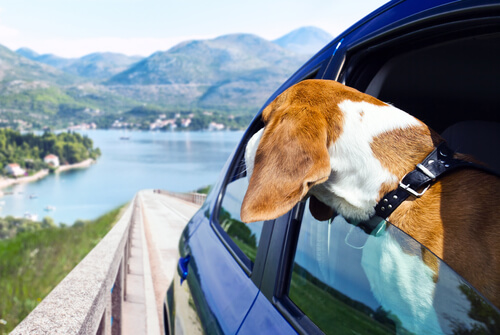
{"points": [[6, 182], [83, 164]]}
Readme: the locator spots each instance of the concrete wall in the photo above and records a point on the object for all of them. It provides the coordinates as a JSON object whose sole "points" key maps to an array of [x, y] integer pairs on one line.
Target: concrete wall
{"points": [[195, 198], [89, 299]]}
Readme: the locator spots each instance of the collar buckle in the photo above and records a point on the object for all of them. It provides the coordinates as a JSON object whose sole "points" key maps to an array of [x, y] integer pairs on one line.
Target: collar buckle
{"points": [[408, 189]]}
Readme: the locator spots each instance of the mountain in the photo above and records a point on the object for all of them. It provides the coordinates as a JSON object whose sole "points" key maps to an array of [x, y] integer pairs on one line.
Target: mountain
{"points": [[206, 61], [28, 53], [305, 40], [100, 65], [16, 67], [33, 95], [232, 74], [237, 70], [49, 59]]}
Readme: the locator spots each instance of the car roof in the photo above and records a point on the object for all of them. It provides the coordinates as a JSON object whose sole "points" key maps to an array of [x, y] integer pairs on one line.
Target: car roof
{"points": [[393, 16]]}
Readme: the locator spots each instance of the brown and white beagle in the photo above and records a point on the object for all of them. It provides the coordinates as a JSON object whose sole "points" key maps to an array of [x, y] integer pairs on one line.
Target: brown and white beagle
{"points": [[347, 149]]}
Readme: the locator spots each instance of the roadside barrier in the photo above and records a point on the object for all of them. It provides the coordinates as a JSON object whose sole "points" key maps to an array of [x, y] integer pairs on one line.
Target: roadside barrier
{"points": [[89, 299], [196, 198]]}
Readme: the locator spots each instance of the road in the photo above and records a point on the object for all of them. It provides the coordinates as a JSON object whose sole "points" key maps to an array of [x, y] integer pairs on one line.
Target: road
{"points": [[152, 269]]}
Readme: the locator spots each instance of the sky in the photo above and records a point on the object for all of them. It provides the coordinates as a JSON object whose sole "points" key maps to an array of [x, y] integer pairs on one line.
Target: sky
{"points": [[74, 28]]}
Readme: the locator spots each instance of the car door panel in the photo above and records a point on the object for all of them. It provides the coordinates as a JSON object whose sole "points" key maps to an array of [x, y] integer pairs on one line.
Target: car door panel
{"points": [[264, 318], [216, 294]]}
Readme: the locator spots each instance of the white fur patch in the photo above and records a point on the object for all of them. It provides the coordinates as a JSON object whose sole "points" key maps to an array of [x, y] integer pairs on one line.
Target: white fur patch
{"points": [[251, 151], [357, 175]]}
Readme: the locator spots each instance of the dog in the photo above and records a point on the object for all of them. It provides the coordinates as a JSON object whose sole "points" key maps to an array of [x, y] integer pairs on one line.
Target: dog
{"points": [[345, 150]]}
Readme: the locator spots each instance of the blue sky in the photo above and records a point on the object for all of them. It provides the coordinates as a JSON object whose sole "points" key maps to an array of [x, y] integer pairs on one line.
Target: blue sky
{"points": [[73, 28]]}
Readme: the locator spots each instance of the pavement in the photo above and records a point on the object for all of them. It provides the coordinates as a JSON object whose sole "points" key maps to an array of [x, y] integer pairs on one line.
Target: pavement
{"points": [[153, 260]]}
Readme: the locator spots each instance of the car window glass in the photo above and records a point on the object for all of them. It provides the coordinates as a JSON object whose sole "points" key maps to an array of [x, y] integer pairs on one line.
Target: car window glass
{"points": [[346, 280], [245, 236]]}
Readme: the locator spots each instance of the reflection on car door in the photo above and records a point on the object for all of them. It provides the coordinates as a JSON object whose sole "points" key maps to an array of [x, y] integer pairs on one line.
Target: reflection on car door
{"points": [[217, 293]]}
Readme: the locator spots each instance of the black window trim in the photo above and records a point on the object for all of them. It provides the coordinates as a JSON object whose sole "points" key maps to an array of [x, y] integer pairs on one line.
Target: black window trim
{"points": [[279, 294]]}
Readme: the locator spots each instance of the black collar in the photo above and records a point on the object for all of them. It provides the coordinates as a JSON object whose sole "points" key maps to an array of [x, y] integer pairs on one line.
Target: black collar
{"points": [[439, 162]]}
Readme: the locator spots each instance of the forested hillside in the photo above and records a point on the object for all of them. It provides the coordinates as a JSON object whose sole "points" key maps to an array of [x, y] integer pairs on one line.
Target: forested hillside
{"points": [[28, 150]]}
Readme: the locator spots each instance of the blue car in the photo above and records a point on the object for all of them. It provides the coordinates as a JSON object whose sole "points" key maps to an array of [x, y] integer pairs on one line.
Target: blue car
{"points": [[437, 60]]}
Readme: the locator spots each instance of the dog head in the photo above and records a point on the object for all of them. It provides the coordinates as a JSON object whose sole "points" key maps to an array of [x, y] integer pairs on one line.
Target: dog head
{"points": [[325, 139]]}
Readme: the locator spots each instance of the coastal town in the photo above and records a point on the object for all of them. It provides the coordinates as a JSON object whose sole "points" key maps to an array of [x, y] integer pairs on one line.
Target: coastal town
{"points": [[164, 123], [208, 121]]}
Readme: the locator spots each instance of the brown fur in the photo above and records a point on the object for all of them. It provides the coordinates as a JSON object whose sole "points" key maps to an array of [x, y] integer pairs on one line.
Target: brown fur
{"points": [[457, 218]]}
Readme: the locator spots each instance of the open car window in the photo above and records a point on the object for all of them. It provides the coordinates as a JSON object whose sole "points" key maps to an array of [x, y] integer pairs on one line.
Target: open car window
{"points": [[379, 280]]}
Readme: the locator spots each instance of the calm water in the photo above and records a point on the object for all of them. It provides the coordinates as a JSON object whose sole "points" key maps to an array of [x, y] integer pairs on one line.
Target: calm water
{"points": [[180, 161]]}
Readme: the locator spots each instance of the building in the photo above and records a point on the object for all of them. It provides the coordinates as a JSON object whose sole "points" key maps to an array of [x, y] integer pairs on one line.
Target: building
{"points": [[213, 126], [15, 170], [51, 160]]}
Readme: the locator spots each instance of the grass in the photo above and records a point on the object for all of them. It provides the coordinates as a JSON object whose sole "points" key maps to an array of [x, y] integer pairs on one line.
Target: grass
{"points": [[33, 263]]}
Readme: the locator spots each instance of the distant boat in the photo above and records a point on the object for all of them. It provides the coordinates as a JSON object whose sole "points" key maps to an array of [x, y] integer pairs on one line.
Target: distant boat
{"points": [[50, 208], [33, 196], [124, 138]]}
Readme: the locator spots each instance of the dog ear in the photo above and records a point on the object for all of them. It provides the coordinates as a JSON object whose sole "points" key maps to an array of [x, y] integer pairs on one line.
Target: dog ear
{"points": [[288, 162]]}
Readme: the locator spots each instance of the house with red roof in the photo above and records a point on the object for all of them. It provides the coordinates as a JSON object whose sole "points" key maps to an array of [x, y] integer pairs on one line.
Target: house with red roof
{"points": [[14, 169], [51, 160]]}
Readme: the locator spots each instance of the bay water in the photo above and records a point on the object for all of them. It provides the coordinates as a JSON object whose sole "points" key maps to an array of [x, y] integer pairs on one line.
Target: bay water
{"points": [[131, 161]]}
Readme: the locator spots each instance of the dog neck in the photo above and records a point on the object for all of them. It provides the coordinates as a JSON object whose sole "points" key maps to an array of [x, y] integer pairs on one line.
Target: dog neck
{"points": [[373, 152]]}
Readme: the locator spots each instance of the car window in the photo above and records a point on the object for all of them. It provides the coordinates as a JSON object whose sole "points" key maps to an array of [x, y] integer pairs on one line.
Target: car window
{"points": [[379, 280], [245, 236]]}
